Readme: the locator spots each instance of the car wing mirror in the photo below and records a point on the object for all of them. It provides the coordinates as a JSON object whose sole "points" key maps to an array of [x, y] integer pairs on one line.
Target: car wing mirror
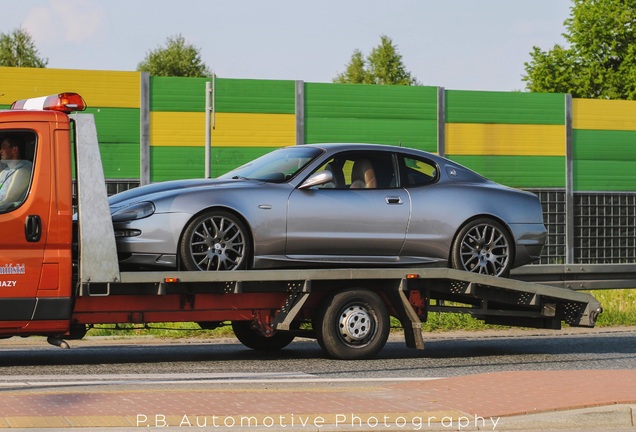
{"points": [[317, 179]]}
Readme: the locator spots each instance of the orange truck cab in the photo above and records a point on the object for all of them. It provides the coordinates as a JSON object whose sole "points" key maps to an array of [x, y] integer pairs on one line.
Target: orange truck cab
{"points": [[36, 213]]}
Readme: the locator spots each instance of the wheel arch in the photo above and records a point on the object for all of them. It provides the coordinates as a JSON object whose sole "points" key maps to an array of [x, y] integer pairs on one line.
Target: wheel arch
{"points": [[484, 216], [250, 258]]}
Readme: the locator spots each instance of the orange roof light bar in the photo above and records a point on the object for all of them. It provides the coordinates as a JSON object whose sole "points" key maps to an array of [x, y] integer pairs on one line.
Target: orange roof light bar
{"points": [[64, 102]]}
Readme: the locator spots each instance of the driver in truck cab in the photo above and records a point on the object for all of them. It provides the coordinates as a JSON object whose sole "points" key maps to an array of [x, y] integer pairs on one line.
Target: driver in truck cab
{"points": [[16, 170]]}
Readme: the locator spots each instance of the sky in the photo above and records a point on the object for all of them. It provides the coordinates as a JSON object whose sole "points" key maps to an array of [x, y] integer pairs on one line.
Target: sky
{"points": [[455, 44]]}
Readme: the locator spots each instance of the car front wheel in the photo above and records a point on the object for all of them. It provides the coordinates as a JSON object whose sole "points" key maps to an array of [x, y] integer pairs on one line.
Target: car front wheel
{"points": [[483, 246], [215, 240]]}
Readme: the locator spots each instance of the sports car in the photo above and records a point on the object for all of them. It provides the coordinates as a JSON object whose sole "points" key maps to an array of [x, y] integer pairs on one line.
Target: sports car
{"points": [[331, 205]]}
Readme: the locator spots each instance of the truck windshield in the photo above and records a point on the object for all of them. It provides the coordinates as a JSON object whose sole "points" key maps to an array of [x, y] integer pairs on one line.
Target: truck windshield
{"points": [[278, 166]]}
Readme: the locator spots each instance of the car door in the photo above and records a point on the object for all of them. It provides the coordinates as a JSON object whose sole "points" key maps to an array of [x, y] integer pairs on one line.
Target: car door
{"points": [[350, 219]]}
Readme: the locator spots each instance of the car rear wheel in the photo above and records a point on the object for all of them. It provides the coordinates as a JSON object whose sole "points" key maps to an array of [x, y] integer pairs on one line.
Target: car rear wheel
{"points": [[483, 246], [215, 240]]}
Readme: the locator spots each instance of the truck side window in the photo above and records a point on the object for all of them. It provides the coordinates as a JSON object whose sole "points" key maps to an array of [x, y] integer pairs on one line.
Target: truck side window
{"points": [[17, 150]]}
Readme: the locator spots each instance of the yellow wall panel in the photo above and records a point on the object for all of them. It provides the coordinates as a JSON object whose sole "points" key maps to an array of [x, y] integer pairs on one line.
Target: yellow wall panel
{"points": [[597, 114], [231, 129], [505, 139], [177, 129], [98, 88], [254, 130]]}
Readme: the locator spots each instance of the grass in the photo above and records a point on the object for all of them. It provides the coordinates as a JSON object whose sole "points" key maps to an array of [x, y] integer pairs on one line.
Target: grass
{"points": [[619, 309]]}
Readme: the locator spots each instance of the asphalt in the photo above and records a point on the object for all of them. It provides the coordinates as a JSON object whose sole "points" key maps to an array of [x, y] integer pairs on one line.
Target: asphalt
{"points": [[502, 401]]}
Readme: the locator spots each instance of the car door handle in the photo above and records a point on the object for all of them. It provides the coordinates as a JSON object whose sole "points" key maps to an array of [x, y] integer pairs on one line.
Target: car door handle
{"points": [[33, 228], [393, 200]]}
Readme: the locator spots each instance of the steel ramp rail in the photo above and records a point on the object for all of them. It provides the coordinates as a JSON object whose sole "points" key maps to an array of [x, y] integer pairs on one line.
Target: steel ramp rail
{"points": [[580, 276], [512, 302]]}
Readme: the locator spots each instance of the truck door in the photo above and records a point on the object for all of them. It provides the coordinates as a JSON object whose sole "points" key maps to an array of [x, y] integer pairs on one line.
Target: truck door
{"points": [[26, 183]]}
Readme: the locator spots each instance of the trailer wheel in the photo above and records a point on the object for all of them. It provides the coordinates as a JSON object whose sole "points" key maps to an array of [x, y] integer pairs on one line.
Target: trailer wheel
{"points": [[215, 240], [353, 325], [483, 246], [253, 339]]}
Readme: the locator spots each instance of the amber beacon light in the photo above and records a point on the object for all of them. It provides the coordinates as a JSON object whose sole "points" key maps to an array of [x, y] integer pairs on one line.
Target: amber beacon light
{"points": [[63, 102]]}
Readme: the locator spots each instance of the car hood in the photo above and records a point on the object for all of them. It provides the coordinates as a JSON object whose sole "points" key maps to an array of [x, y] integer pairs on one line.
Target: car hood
{"points": [[157, 191]]}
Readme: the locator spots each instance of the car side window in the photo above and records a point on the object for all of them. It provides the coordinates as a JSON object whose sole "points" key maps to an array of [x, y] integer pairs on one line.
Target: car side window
{"points": [[418, 172], [361, 170], [17, 151]]}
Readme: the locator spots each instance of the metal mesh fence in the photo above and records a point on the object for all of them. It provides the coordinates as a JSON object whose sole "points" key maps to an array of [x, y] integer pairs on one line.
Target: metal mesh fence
{"points": [[554, 217], [605, 228], [116, 186]]}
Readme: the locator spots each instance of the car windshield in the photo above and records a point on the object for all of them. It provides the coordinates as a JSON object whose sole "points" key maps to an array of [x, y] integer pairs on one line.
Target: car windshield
{"points": [[276, 167]]}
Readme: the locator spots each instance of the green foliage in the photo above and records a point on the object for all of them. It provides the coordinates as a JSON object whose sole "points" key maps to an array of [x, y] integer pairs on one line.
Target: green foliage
{"points": [[17, 49], [619, 307], [383, 66], [600, 61], [177, 59]]}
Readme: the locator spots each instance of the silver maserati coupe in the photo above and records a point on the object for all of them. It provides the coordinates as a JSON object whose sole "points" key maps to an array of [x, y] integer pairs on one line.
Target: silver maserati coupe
{"points": [[328, 205]]}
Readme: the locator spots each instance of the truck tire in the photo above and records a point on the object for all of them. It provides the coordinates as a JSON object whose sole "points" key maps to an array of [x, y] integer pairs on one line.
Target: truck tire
{"points": [[483, 246], [215, 240], [353, 325], [253, 339]]}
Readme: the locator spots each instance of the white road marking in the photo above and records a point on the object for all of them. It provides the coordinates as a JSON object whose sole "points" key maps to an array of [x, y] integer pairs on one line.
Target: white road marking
{"points": [[196, 378]]}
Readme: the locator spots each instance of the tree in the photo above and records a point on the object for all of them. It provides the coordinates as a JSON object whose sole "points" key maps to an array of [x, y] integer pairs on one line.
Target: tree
{"points": [[355, 72], [17, 49], [177, 58], [600, 61], [383, 66]]}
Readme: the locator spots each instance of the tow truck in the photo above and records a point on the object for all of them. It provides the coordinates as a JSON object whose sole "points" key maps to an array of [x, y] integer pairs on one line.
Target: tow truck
{"points": [[59, 272]]}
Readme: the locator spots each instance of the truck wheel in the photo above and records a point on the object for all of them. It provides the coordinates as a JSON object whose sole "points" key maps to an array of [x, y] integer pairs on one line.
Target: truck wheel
{"points": [[215, 240], [353, 325], [483, 246], [253, 339]]}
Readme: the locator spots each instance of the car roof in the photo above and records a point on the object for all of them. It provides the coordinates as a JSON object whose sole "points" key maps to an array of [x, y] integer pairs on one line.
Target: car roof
{"points": [[366, 146]]}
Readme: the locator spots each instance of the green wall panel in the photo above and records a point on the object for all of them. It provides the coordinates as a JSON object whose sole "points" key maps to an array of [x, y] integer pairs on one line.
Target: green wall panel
{"points": [[502, 107], [172, 163], [120, 161], [232, 95], [370, 101], [604, 160], [117, 125], [255, 96], [398, 115], [518, 171], [177, 94], [604, 145], [605, 176], [407, 133]]}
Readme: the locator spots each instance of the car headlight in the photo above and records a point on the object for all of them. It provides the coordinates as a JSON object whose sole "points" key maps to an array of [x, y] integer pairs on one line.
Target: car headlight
{"points": [[136, 211]]}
